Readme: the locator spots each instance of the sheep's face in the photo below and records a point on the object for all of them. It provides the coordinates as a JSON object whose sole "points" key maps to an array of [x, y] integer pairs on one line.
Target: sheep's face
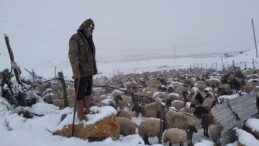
{"points": [[136, 108], [199, 111], [168, 102], [185, 94], [117, 98], [170, 90]]}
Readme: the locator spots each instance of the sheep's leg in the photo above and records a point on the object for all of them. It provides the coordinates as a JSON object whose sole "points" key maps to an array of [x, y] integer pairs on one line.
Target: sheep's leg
{"points": [[218, 143], [205, 131], [190, 142], [159, 139], [146, 140], [158, 114]]}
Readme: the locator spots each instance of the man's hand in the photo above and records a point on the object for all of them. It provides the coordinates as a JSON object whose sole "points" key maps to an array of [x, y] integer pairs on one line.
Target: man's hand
{"points": [[76, 76]]}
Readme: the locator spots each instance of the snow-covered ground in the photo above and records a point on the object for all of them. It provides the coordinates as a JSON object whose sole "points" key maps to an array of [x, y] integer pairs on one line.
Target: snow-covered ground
{"points": [[18, 131]]}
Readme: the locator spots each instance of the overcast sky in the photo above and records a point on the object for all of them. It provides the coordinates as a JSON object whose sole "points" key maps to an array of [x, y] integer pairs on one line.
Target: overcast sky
{"points": [[39, 30]]}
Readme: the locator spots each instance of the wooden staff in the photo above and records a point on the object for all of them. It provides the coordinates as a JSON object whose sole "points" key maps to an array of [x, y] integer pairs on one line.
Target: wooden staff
{"points": [[76, 96]]}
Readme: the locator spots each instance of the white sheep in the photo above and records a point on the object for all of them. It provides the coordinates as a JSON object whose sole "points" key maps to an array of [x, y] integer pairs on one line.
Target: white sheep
{"points": [[127, 126], [149, 127], [195, 90], [179, 136], [109, 102], [174, 96], [97, 99], [187, 108]]}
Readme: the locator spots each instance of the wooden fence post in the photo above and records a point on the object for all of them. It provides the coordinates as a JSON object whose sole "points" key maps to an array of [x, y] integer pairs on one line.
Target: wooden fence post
{"points": [[61, 78], [253, 62]]}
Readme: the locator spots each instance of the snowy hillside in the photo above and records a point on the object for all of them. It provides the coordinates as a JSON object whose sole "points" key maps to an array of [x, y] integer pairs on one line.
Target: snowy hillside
{"points": [[113, 68]]}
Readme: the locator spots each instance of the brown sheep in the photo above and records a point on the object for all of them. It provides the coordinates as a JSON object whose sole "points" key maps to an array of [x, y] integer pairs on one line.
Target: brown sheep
{"points": [[214, 132]]}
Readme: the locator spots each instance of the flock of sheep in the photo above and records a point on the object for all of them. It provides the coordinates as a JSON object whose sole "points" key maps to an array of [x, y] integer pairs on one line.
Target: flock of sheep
{"points": [[173, 104]]}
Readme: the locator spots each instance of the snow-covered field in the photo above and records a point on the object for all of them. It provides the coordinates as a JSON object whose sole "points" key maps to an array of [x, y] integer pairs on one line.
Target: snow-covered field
{"points": [[112, 68]]}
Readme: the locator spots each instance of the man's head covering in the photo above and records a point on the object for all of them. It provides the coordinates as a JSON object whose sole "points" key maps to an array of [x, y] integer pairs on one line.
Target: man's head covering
{"points": [[85, 24]]}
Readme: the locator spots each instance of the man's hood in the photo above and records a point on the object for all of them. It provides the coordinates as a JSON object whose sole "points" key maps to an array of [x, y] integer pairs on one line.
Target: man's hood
{"points": [[85, 24]]}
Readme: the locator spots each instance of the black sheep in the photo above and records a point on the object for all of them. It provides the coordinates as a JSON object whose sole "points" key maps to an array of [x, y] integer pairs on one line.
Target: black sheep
{"points": [[234, 84], [205, 116], [200, 110]]}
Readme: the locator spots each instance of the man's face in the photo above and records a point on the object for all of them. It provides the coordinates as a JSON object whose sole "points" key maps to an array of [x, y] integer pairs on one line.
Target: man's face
{"points": [[91, 28], [89, 31]]}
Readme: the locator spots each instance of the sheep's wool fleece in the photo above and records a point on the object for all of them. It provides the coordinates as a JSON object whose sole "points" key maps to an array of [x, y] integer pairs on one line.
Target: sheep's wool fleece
{"points": [[175, 136], [149, 127]]}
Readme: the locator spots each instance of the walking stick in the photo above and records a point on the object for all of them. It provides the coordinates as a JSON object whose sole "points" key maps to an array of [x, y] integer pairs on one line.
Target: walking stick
{"points": [[76, 96]]}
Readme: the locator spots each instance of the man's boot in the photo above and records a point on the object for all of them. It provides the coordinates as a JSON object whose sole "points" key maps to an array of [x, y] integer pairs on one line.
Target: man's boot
{"points": [[80, 110], [87, 105]]}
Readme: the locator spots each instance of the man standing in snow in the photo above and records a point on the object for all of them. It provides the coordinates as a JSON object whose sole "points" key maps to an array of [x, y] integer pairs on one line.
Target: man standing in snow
{"points": [[82, 58]]}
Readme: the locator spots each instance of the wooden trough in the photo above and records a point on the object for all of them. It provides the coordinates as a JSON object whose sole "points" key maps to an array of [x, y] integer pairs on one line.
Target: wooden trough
{"points": [[233, 113]]}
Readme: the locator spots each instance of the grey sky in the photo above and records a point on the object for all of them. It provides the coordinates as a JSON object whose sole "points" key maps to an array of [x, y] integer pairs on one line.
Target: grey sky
{"points": [[39, 30]]}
